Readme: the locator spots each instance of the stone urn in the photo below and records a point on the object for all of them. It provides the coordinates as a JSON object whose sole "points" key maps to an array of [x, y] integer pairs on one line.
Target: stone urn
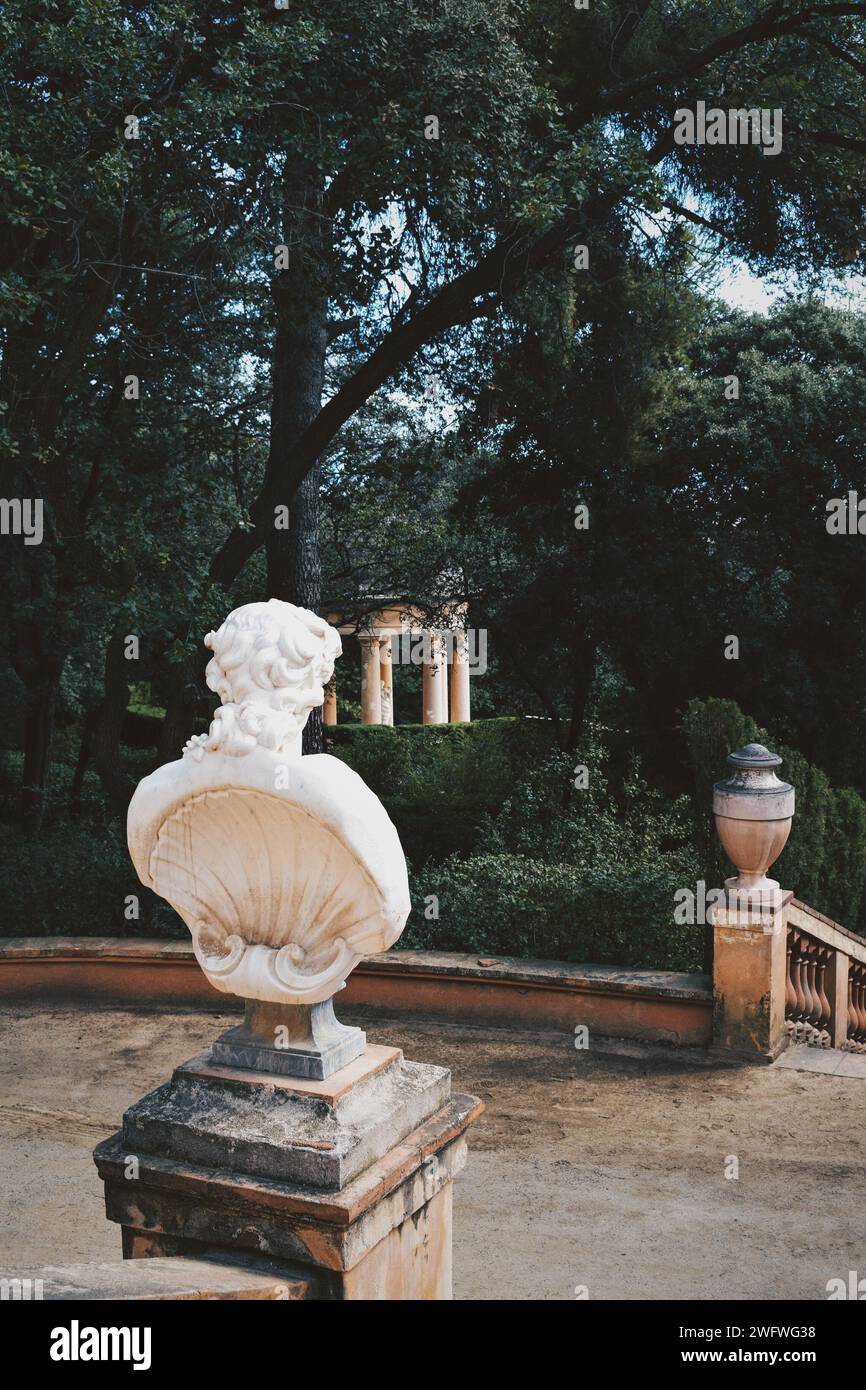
{"points": [[753, 810]]}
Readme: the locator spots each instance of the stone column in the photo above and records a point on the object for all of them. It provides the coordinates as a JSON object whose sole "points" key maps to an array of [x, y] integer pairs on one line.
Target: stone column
{"points": [[753, 812], [386, 674], [460, 706], [435, 682], [329, 709], [371, 680], [442, 677]]}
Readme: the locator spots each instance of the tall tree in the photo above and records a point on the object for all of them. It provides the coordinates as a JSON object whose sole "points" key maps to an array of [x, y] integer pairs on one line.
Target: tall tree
{"points": [[554, 126], [110, 182]]}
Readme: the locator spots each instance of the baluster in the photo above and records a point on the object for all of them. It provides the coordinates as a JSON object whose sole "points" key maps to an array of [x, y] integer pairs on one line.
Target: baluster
{"points": [[855, 1038], [852, 1012], [790, 992], [817, 967], [800, 1009], [822, 963], [860, 1007], [807, 975]]}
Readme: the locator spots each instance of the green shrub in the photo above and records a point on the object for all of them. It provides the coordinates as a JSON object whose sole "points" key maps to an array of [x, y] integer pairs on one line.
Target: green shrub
{"points": [[75, 878], [512, 905], [845, 854], [587, 875], [75, 881], [441, 783], [804, 864], [622, 821], [713, 729]]}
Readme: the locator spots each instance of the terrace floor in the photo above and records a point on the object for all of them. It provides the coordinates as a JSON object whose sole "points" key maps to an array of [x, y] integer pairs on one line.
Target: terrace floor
{"points": [[589, 1168]]}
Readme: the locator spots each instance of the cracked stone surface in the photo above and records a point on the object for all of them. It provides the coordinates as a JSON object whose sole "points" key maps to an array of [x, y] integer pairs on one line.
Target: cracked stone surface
{"points": [[270, 1132]]}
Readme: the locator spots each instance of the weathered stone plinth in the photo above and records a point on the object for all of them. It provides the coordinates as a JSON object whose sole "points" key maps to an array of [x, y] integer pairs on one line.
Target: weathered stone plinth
{"points": [[347, 1180], [318, 1132], [749, 975]]}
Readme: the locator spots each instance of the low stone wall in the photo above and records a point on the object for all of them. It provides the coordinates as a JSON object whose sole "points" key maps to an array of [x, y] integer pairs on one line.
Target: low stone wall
{"points": [[652, 1006]]}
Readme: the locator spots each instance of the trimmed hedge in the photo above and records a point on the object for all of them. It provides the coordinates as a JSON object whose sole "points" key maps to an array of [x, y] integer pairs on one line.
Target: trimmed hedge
{"points": [[480, 759], [511, 905], [824, 860], [74, 879], [519, 862], [440, 783], [569, 874]]}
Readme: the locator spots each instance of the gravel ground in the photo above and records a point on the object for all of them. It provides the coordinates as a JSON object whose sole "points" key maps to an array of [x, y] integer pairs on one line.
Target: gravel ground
{"points": [[588, 1169]]}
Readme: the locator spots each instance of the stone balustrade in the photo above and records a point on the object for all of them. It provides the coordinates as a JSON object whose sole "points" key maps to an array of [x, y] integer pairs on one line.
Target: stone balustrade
{"points": [[825, 981], [856, 1040], [808, 1011]]}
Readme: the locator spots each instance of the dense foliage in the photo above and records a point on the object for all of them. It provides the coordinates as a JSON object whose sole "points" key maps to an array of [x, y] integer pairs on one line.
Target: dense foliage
{"points": [[244, 273]]}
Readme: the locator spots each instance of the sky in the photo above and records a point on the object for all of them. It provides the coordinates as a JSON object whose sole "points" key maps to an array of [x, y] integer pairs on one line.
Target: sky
{"points": [[740, 288]]}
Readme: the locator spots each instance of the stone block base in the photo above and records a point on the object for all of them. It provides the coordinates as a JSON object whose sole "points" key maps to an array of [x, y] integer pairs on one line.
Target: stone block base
{"points": [[346, 1181], [318, 1132]]}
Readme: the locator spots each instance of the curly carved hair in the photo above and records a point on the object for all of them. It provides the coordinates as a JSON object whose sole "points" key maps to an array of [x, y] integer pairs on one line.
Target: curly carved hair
{"points": [[269, 667]]}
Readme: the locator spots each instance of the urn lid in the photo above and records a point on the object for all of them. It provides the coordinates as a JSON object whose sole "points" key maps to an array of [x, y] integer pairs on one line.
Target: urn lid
{"points": [[754, 756]]}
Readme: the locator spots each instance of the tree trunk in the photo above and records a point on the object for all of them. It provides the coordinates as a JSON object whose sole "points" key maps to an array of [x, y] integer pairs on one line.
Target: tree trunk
{"points": [[109, 728], [177, 725], [294, 571], [39, 712], [299, 567], [84, 749], [297, 378]]}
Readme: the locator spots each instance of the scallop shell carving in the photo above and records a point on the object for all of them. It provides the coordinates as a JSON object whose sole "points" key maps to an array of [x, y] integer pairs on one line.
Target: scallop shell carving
{"points": [[279, 908]]}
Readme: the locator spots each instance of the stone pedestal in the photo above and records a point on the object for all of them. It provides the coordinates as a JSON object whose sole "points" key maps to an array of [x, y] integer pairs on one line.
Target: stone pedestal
{"points": [[291, 1138], [347, 1180], [305, 1040], [749, 971]]}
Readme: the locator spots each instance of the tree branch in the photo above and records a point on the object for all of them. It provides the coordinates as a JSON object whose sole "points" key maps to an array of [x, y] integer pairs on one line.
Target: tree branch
{"points": [[461, 300], [832, 137], [838, 52], [458, 302], [626, 32], [695, 218], [774, 24]]}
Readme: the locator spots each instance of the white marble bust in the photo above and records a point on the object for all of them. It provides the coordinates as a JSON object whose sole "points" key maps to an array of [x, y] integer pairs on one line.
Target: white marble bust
{"points": [[286, 869]]}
